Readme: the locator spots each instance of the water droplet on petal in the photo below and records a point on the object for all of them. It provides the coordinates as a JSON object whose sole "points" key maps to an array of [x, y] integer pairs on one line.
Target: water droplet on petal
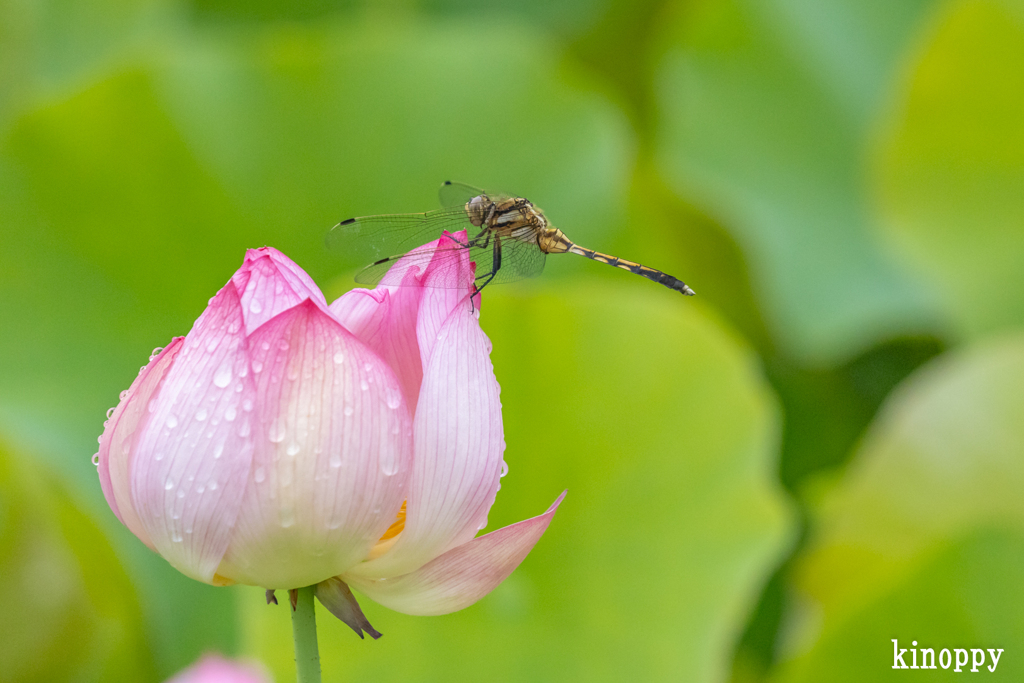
{"points": [[339, 357], [96, 459], [394, 400], [247, 405], [213, 485], [201, 414], [172, 422], [110, 411], [169, 485], [348, 411], [293, 372], [265, 346], [181, 493], [389, 464], [212, 346], [244, 430], [218, 450], [368, 366], [283, 345], [335, 460], [363, 384], [123, 395], [243, 371], [259, 475], [255, 306], [257, 366], [293, 449], [504, 468], [223, 377], [276, 433], [156, 352], [230, 414]]}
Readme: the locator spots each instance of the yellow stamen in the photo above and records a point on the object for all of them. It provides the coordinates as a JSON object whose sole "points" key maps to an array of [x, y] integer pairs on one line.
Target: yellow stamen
{"points": [[390, 536]]}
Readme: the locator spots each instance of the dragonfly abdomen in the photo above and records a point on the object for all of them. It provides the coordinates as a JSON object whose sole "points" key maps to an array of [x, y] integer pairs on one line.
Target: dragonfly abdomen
{"points": [[650, 273]]}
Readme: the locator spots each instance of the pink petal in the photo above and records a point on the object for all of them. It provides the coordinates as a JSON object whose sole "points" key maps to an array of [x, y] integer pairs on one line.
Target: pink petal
{"points": [[458, 443], [385, 320], [192, 457], [462, 575], [450, 265], [333, 450], [217, 669], [120, 436], [268, 283]]}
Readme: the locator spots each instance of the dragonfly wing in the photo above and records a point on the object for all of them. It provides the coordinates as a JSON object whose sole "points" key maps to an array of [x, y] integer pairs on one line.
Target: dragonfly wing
{"points": [[518, 260], [454, 194], [370, 238], [451, 268]]}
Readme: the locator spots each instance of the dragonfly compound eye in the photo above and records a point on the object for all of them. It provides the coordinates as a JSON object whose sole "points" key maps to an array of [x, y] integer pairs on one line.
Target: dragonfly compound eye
{"points": [[477, 209]]}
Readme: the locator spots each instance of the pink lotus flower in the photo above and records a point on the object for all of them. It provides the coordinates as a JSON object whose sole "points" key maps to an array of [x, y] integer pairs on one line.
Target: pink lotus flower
{"points": [[285, 442], [217, 669]]}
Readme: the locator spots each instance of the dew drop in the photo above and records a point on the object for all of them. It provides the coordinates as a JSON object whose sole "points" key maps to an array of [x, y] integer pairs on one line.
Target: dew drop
{"points": [[293, 373], [181, 493], [223, 377], [200, 489], [230, 414], [257, 366], [156, 352], [152, 405], [96, 459], [265, 346], [110, 411], [255, 306], [201, 414], [287, 517], [339, 357], [394, 400], [99, 439], [389, 465], [364, 385], [172, 422], [276, 433], [504, 468], [368, 366], [243, 371], [348, 411], [259, 475], [218, 450], [213, 485], [123, 395], [293, 449], [244, 430], [247, 405], [335, 460], [238, 388], [212, 346], [169, 485], [283, 345], [176, 536]]}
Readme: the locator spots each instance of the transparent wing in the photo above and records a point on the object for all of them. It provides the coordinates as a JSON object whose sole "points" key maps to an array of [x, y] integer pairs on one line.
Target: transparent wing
{"points": [[454, 194], [371, 238], [518, 260]]}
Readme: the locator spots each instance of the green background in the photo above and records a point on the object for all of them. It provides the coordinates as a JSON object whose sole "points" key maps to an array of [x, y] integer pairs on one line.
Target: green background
{"points": [[822, 451]]}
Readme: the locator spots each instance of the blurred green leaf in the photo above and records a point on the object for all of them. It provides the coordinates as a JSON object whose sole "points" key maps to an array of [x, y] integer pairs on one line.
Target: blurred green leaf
{"points": [[763, 111], [67, 609], [924, 538], [661, 427], [51, 45], [950, 164]]}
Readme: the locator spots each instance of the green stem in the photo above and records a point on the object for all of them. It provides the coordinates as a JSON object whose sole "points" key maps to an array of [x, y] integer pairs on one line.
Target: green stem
{"points": [[307, 655]]}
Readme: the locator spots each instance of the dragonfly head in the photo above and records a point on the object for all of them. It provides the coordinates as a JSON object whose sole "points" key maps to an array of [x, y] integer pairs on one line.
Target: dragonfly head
{"points": [[478, 209]]}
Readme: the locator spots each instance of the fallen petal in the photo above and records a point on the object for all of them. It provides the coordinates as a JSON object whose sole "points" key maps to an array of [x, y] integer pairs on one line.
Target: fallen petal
{"points": [[462, 575]]}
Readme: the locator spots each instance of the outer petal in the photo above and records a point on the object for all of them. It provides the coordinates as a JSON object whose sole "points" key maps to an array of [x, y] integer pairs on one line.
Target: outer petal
{"points": [[462, 575], [268, 283], [385, 320], [458, 443], [333, 445], [192, 457], [120, 435]]}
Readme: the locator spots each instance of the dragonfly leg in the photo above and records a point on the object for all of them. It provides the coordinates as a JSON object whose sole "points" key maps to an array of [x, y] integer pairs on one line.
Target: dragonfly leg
{"points": [[495, 265], [456, 240]]}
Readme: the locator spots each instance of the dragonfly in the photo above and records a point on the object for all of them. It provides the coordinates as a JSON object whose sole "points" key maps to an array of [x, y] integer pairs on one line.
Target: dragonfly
{"points": [[507, 237]]}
